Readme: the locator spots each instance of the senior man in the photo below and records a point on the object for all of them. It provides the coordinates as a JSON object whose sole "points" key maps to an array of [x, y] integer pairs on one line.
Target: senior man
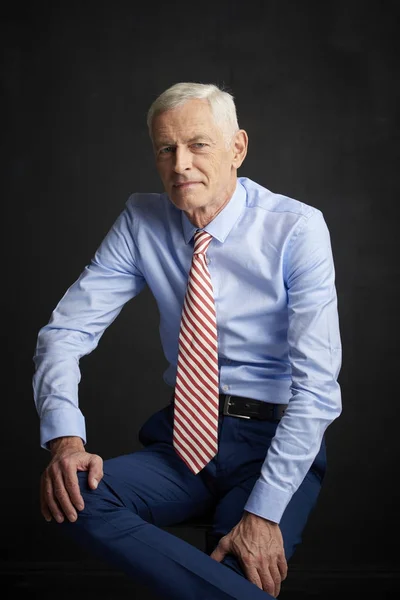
{"points": [[244, 281]]}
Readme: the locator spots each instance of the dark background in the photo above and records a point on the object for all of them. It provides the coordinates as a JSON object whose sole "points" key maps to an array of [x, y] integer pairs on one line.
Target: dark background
{"points": [[317, 89]]}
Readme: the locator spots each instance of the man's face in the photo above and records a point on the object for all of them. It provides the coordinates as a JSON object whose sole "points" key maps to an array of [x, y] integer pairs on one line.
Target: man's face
{"points": [[191, 157]]}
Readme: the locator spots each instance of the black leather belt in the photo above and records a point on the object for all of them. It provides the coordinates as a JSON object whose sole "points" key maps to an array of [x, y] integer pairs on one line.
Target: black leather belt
{"points": [[247, 408]]}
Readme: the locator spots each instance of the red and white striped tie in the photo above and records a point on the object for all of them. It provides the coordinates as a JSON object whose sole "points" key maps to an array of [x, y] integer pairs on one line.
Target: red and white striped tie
{"points": [[195, 435]]}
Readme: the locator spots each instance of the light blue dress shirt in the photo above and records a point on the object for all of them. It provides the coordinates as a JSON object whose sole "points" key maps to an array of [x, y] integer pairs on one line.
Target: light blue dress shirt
{"points": [[273, 276]]}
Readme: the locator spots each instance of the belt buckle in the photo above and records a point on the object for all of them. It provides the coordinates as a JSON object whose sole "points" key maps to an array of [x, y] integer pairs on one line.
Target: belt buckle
{"points": [[227, 404]]}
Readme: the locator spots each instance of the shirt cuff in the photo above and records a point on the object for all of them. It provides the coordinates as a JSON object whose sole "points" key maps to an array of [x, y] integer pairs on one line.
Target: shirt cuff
{"points": [[61, 422], [267, 501]]}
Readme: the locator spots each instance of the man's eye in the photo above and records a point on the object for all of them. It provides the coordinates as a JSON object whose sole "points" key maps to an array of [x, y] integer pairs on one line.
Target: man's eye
{"points": [[199, 145], [166, 150]]}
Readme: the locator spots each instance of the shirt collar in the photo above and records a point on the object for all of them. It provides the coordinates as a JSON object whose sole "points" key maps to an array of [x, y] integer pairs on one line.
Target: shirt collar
{"points": [[222, 224]]}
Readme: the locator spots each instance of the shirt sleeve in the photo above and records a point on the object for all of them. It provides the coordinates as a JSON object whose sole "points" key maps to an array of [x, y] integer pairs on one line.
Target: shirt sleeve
{"points": [[76, 325], [315, 356]]}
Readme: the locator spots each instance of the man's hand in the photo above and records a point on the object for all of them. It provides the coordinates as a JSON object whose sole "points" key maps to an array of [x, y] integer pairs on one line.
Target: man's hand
{"points": [[60, 495], [258, 545]]}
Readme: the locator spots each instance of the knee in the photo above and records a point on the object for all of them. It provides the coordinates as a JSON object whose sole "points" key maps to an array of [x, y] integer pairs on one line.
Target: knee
{"points": [[110, 495]]}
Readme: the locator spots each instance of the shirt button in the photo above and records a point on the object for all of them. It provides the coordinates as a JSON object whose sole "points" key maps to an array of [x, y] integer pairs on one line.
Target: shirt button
{"points": [[225, 388]]}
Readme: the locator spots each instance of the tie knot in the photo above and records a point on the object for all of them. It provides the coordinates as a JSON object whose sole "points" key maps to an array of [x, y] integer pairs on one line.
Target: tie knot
{"points": [[202, 240]]}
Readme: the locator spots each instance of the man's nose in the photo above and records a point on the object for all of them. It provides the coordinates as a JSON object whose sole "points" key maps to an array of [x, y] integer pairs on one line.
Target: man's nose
{"points": [[183, 160]]}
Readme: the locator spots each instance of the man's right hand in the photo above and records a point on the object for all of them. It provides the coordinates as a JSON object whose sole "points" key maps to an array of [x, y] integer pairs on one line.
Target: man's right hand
{"points": [[60, 495]]}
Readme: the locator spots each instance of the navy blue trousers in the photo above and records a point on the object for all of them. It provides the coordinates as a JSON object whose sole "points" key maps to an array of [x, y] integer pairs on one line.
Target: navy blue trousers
{"points": [[142, 492]]}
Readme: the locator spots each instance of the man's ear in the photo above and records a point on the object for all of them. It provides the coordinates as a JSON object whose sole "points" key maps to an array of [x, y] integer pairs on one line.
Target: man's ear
{"points": [[239, 146]]}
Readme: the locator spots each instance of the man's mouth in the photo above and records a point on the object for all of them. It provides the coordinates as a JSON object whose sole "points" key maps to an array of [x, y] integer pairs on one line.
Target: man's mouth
{"points": [[185, 184]]}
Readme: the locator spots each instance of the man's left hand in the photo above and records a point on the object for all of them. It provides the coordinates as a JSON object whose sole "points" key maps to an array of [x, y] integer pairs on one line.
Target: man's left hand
{"points": [[258, 545]]}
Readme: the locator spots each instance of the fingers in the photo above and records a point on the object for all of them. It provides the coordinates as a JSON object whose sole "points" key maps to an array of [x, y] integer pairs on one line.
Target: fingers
{"points": [[95, 471], [65, 482], [217, 554], [268, 580], [50, 507], [253, 576], [267, 577], [222, 549], [282, 566], [71, 486], [271, 580], [60, 496]]}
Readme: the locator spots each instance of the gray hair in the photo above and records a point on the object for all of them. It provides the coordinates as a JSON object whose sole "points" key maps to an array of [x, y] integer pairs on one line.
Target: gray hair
{"points": [[221, 103]]}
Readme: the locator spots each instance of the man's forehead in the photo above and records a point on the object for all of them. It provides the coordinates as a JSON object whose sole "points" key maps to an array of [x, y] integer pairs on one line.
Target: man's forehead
{"points": [[167, 137], [187, 121]]}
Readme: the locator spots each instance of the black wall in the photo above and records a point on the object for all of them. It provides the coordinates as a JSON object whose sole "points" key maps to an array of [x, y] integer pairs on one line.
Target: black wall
{"points": [[317, 89]]}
